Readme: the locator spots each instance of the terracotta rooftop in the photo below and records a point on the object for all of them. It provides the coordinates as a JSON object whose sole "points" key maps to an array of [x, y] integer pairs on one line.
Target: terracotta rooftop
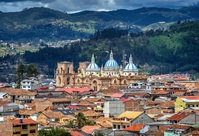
{"points": [[26, 112], [117, 95], [154, 133], [18, 92], [53, 114], [75, 133], [190, 97], [24, 121], [71, 90], [179, 116], [136, 127], [90, 129], [90, 113], [94, 100]]}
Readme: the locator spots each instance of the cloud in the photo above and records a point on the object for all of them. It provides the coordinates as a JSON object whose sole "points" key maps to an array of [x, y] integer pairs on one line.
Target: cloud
{"points": [[79, 5]]}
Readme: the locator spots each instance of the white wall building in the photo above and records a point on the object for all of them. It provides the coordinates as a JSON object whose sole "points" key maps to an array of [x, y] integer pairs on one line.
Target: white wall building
{"points": [[113, 108]]}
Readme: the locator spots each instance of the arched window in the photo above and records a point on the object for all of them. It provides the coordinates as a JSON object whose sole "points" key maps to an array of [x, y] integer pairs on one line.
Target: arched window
{"points": [[115, 82], [125, 82], [95, 85], [68, 81], [61, 70], [78, 80], [68, 70]]}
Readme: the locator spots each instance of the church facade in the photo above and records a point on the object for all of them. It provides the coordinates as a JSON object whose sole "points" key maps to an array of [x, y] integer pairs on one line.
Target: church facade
{"points": [[92, 76]]}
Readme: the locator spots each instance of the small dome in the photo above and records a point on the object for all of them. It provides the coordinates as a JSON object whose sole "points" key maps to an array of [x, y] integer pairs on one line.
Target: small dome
{"points": [[92, 65], [130, 66], [111, 62]]}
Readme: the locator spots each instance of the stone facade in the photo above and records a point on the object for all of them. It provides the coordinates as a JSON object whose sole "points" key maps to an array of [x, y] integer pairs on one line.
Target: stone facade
{"points": [[91, 76]]}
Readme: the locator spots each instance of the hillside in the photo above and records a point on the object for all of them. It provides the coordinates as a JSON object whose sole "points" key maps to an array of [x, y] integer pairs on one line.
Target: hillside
{"points": [[49, 25], [174, 50]]}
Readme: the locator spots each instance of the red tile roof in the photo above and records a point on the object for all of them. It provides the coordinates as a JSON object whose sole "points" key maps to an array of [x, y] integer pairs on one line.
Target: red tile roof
{"points": [[71, 90], [117, 95], [136, 127], [75, 133], [90, 129], [190, 97], [179, 116], [24, 121]]}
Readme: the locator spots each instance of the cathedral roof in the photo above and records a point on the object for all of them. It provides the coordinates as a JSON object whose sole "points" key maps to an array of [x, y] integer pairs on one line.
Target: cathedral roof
{"points": [[130, 66], [111, 62], [92, 65]]}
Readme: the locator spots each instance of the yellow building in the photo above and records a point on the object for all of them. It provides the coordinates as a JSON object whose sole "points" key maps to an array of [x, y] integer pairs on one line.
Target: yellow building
{"points": [[183, 102], [190, 85], [129, 118], [92, 76]]}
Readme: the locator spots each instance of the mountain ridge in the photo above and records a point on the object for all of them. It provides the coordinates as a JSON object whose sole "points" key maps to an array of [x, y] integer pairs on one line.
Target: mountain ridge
{"points": [[48, 24]]}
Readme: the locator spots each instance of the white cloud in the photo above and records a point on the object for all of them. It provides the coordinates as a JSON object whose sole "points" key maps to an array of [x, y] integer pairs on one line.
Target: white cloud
{"points": [[79, 5]]}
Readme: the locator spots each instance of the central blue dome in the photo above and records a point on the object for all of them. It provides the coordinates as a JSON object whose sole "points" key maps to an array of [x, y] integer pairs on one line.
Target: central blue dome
{"points": [[111, 62]]}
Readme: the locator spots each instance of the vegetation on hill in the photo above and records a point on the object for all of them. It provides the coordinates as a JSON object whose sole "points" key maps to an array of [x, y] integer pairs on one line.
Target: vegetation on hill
{"points": [[174, 50], [50, 25]]}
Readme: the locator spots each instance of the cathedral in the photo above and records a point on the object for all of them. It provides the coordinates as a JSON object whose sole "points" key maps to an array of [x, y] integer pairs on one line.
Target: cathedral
{"points": [[92, 76]]}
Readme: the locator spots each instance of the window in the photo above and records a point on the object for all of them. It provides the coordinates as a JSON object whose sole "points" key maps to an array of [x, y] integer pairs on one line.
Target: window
{"points": [[114, 126], [16, 132], [32, 124], [24, 126], [118, 126], [24, 134], [32, 131], [124, 126]]}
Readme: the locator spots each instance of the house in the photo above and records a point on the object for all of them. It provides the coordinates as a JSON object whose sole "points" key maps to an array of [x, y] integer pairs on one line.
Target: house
{"points": [[113, 108], [176, 118], [138, 128], [9, 109], [15, 127], [177, 130], [191, 119], [129, 118], [48, 116], [30, 84], [133, 105], [104, 122], [90, 129], [18, 95], [183, 102]]}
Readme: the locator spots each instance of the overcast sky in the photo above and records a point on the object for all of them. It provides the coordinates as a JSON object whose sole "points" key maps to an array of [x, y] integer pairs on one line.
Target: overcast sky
{"points": [[96, 5]]}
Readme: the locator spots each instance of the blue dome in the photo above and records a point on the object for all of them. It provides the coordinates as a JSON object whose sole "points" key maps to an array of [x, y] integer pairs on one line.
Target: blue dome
{"points": [[111, 63], [92, 66], [130, 67]]}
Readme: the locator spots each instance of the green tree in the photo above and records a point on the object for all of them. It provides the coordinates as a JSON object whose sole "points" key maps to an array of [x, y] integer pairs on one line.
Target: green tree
{"points": [[81, 119], [71, 124], [54, 132], [20, 73], [32, 71]]}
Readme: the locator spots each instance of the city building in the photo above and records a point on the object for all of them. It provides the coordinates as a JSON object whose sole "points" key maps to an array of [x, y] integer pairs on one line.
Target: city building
{"points": [[90, 75], [18, 127], [183, 102]]}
